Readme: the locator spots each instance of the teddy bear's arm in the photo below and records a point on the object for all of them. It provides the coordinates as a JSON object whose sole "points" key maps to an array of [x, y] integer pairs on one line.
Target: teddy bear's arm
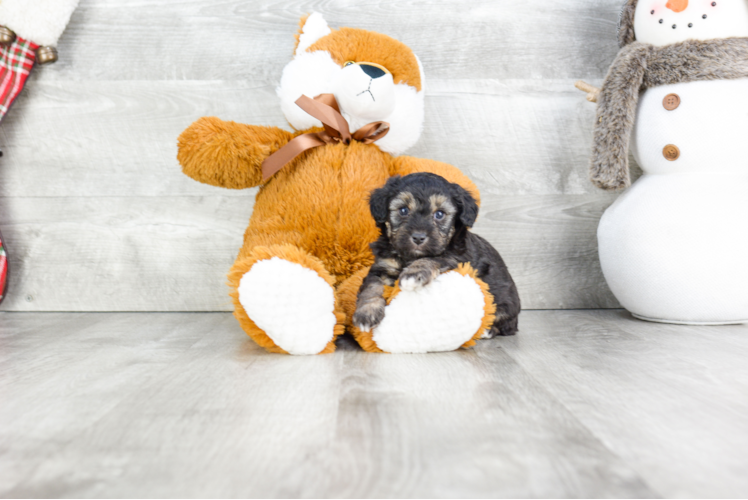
{"points": [[228, 154], [404, 165]]}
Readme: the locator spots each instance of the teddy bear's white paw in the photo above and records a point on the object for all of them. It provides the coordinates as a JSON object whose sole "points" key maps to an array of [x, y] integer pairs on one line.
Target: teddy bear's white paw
{"points": [[293, 305], [440, 316]]}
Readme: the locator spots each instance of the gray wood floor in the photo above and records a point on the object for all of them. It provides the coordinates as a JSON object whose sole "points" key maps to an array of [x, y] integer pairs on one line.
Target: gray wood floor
{"points": [[580, 404]]}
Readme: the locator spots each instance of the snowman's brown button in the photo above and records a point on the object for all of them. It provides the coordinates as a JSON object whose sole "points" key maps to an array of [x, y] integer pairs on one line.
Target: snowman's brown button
{"points": [[671, 101], [671, 152]]}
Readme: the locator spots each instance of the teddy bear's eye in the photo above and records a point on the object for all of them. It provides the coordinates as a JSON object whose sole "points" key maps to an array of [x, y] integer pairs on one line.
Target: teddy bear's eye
{"points": [[438, 215], [404, 211], [348, 63]]}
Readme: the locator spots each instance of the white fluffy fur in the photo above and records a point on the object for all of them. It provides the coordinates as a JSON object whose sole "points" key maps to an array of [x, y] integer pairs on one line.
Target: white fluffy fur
{"points": [[363, 97], [314, 73], [314, 28], [406, 122], [727, 18], [40, 21], [438, 317], [291, 303], [310, 74]]}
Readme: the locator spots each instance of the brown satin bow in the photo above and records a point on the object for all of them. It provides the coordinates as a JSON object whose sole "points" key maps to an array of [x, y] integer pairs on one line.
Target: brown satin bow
{"points": [[325, 108]]}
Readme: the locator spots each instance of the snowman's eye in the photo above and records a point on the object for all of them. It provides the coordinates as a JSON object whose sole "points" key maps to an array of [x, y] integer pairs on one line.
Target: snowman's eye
{"points": [[348, 63]]}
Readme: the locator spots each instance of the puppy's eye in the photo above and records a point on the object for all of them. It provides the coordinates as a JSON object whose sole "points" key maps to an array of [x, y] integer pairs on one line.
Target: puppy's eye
{"points": [[404, 211], [439, 215], [348, 63]]}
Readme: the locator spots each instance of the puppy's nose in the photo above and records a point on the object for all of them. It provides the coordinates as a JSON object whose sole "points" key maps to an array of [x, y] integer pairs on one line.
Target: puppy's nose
{"points": [[372, 71], [418, 238]]}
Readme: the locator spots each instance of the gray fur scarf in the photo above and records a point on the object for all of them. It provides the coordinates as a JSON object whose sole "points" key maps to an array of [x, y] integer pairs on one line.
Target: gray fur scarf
{"points": [[638, 67]]}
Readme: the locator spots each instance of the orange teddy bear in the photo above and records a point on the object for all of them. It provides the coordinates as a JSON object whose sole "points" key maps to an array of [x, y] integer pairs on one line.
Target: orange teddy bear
{"points": [[306, 250]]}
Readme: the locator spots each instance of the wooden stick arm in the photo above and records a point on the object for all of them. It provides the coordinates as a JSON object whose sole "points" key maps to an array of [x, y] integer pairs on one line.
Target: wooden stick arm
{"points": [[592, 92]]}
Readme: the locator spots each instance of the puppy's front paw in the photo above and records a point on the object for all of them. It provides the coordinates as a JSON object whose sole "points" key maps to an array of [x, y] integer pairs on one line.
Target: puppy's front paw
{"points": [[368, 316], [414, 277]]}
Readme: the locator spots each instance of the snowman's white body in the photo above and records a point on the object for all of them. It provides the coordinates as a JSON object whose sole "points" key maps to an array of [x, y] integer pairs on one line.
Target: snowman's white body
{"points": [[674, 247]]}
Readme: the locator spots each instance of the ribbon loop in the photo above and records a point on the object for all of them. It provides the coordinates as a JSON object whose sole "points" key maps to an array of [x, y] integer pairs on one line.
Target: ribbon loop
{"points": [[325, 108], [371, 132]]}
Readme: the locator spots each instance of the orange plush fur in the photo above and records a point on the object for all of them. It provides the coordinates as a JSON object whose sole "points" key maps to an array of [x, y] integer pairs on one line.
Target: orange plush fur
{"points": [[314, 211], [352, 44]]}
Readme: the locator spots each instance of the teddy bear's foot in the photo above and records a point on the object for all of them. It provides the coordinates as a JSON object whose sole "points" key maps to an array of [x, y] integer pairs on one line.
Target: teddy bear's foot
{"points": [[289, 304], [293, 305], [451, 312]]}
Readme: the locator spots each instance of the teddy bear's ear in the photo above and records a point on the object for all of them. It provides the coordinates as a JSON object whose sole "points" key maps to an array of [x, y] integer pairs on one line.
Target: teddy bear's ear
{"points": [[311, 29]]}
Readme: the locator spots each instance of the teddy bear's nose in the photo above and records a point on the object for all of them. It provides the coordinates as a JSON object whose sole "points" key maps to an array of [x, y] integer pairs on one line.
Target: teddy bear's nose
{"points": [[677, 5], [372, 71]]}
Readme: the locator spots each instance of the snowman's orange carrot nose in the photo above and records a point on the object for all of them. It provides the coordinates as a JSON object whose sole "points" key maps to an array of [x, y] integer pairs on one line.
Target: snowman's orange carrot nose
{"points": [[677, 5]]}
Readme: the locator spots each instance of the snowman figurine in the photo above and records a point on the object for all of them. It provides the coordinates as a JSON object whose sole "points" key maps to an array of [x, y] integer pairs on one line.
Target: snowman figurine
{"points": [[674, 246]]}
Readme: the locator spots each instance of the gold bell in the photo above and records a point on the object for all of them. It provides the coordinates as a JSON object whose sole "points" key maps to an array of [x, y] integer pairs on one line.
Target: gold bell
{"points": [[46, 55], [6, 36]]}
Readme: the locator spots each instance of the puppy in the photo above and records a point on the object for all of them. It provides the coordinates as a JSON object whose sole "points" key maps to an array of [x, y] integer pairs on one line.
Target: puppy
{"points": [[424, 222]]}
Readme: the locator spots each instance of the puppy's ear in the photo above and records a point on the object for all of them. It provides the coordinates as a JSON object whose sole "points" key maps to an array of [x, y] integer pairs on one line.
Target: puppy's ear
{"points": [[467, 205], [379, 201]]}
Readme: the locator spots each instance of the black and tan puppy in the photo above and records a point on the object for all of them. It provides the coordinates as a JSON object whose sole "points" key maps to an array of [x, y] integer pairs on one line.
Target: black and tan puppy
{"points": [[424, 222]]}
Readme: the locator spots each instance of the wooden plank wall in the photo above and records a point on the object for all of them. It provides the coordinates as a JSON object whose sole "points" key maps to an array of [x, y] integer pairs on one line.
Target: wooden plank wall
{"points": [[98, 216]]}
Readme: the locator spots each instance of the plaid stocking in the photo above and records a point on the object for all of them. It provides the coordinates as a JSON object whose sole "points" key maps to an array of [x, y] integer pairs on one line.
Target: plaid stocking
{"points": [[16, 61], [42, 21], [3, 269]]}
